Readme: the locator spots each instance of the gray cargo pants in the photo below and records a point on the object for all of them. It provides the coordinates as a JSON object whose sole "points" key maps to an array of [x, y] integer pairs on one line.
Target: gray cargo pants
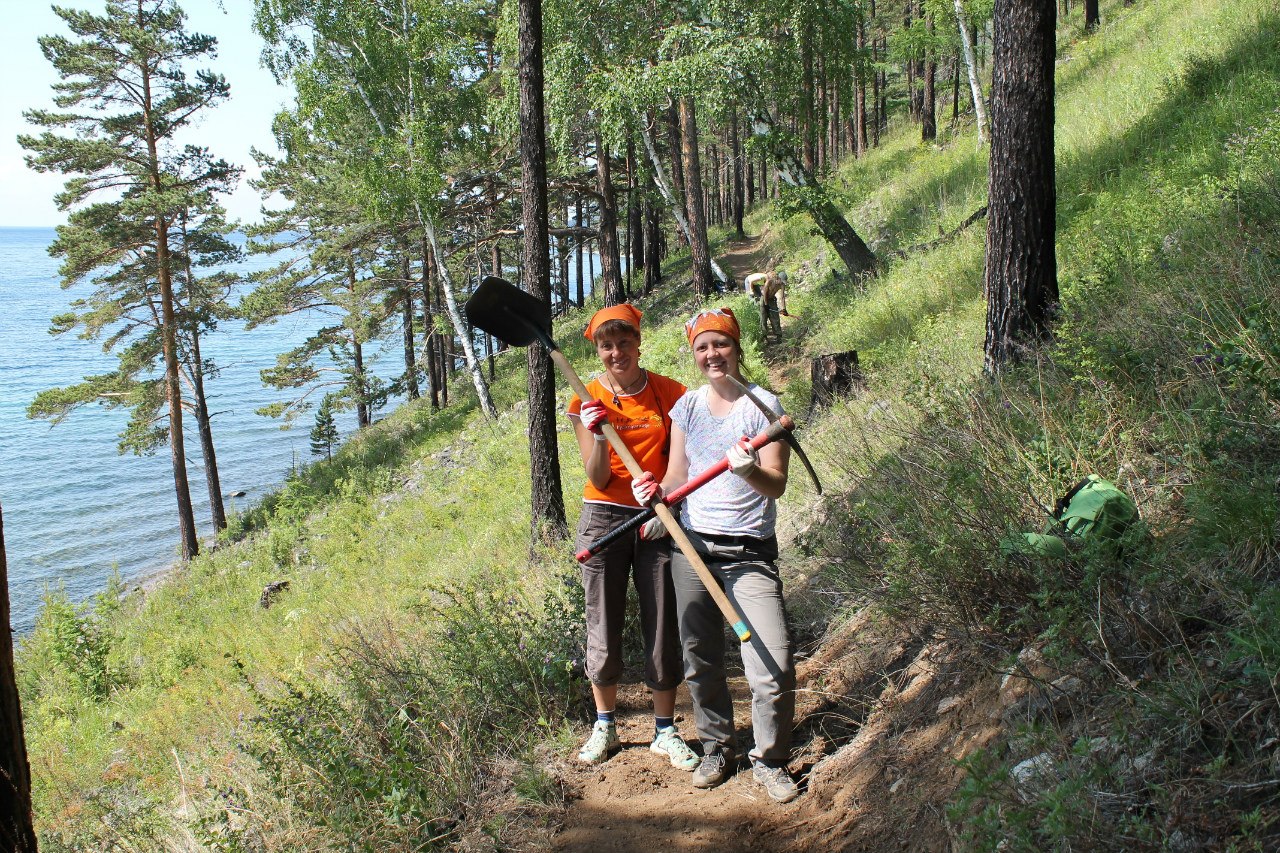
{"points": [[750, 580]]}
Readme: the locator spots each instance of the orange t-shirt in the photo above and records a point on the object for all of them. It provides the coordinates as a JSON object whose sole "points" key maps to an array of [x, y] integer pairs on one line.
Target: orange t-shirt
{"points": [[643, 422]]}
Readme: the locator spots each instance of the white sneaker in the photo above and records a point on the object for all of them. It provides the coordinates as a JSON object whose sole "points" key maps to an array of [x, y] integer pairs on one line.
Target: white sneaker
{"points": [[602, 743], [669, 743]]}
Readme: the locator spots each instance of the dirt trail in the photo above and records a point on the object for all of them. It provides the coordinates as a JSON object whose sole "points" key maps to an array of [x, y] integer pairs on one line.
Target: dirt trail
{"points": [[745, 256], [636, 802], [882, 719]]}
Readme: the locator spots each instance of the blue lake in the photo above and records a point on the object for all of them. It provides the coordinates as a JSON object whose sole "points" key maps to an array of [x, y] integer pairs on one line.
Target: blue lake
{"points": [[74, 508]]}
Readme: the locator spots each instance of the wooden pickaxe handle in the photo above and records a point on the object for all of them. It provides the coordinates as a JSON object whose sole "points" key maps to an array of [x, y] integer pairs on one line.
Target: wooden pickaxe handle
{"points": [[659, 508], [768, 435]]}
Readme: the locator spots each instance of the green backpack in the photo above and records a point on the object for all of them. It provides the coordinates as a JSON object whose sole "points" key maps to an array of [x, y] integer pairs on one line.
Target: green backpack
{"points": [[1094, 509]]}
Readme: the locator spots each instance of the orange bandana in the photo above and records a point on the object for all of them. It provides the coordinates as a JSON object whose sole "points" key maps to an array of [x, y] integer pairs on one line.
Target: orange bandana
{"points": [[626, 312], [713, 320]]}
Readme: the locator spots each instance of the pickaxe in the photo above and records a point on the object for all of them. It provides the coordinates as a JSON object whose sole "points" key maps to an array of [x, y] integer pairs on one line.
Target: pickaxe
{"points": [[788, 436]]}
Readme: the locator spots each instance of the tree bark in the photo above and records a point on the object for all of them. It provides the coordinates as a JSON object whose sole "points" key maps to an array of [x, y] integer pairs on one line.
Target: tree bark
{"points": [[703, 282], [548, 513], [975, 88], [1091, 17], [17, 830], [434, 369], [610, 258], [213, 482], [653, 246], [806, 99], [455, 316], [1021, 265], [677, 173], [406, 315], [674, 202], [929, 106], [857, 258], [735, 152]]}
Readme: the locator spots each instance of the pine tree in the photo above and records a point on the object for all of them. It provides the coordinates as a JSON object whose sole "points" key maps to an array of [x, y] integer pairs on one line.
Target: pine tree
{"points": [[324, 435], [123, 97], [1021, 276], [17, 832]]}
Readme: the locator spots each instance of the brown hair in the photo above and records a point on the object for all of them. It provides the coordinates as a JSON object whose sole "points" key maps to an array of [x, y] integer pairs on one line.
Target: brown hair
{"points": [[615, 328]]}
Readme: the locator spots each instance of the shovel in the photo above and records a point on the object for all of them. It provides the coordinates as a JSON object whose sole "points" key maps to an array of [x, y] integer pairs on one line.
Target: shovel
{"points": [[518, 319]]}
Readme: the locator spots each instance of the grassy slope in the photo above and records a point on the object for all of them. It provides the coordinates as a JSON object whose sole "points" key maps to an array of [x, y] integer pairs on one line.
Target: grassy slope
{"points": [[1146, 109]]}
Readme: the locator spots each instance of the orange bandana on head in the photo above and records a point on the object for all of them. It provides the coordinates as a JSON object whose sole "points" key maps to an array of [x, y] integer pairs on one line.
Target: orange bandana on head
{"points": [[713, 320], [626, 312]]}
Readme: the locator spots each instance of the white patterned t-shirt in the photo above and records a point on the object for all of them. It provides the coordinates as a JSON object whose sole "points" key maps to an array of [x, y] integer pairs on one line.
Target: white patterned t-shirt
{"points": [[727, 505]]}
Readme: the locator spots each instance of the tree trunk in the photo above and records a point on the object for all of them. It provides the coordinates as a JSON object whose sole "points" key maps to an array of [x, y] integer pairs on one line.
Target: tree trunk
{"points": [[975, 88], [928, 110], [444, 345], [173, 394], [434, 369], [491, 342], [610, 258], [653, 246], [703, 282], [17, 831], [677, 173], [1021, 265], [1091, 17], [217, 511], [806, 99], [674, 202], [363, 415], [735, 151], [548, 514], [635, 214], [833, 376], [860, 91], [406, 314], [455, 317], [826, 216]]}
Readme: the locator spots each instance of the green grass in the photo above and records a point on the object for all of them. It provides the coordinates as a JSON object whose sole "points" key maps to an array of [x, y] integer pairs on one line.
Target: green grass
{"points": [[186, 719]]}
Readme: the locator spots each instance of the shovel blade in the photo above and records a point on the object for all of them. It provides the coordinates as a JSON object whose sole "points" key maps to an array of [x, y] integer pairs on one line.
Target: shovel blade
{"points": [[508, 313]]}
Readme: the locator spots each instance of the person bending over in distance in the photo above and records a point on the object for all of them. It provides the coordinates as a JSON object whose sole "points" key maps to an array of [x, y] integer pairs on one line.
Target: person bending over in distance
{"points": [[731, 524], [636, 402], [760, 287]]}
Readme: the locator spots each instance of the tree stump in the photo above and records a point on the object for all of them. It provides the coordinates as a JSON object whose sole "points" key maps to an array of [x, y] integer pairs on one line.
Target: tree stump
{"points": [[833, 376]]}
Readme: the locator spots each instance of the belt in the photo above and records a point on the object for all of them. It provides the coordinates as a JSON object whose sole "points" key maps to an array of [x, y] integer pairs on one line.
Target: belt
{"points": [[721, 539]]}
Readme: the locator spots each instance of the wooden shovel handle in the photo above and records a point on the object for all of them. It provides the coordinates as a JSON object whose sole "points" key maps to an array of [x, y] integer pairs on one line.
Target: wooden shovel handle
{"points": [[673, 527]]}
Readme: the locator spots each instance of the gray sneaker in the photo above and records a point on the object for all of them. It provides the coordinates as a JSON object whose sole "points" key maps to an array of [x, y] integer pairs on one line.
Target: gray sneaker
{"points": [[717, 765], [777, 781]]}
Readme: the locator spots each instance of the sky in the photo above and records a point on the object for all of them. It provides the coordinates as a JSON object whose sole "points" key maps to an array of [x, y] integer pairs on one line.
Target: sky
{"points": [[228, 130]]}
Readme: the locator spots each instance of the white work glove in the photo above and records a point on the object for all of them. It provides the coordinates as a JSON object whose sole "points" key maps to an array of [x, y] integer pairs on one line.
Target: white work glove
{"points": [[743, 458], [645, 488], [653, 529], [593, 416]]}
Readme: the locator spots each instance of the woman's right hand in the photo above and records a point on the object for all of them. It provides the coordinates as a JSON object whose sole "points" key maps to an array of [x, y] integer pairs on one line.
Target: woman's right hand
{"points": [[645, 488], [594, 415]]}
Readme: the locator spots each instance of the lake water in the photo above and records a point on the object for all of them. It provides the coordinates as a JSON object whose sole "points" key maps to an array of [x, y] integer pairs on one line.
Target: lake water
{"points": [[74, 508]]}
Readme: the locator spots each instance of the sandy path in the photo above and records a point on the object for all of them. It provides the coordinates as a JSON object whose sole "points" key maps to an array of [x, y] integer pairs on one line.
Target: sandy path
{"points": [[636, 802]]}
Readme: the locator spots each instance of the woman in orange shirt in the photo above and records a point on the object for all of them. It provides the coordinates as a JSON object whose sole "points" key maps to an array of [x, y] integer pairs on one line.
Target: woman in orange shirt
{"points": [[636, 402]]}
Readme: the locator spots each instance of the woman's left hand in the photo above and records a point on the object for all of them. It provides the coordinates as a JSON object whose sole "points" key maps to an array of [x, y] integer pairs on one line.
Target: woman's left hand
{"points": [[743, 458]]}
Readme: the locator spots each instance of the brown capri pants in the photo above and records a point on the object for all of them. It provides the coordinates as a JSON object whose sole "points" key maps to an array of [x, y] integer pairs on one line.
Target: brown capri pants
{"points": [[604, 579]]}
